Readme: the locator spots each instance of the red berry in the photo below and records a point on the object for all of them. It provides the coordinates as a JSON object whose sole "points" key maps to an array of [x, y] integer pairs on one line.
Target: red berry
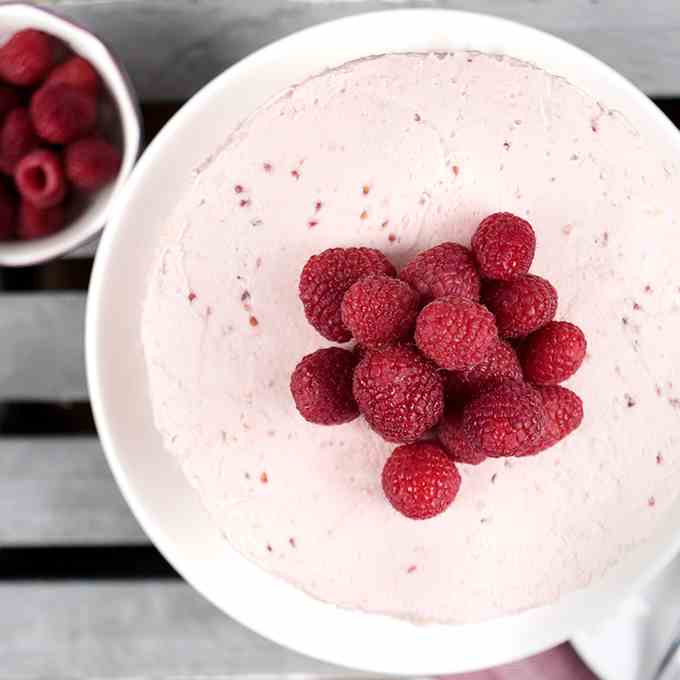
{"points": [[522, 305], [7, 214], [36, 223], [62, 113], [40, 178], [499, 362], [504, 246], [327, 277], [399, 393], [455, 332], [9, 99], [563, 407], [27, 57], [455, 442], [446, 269], [91, 163], [378, 310], [563, 414], [553, 353], [419, 480], [17, 138], [77, 72], [506, 420], [321, 385], [360, 352]]}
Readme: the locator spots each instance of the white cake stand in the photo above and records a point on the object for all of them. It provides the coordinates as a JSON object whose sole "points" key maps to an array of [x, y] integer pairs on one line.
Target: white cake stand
{"points": [[158, 493]]}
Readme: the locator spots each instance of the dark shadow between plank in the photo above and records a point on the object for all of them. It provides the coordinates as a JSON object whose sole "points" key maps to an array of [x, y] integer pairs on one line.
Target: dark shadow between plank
{"points": [[671, 107], [35, 418], [83, 563], [66, 274]]}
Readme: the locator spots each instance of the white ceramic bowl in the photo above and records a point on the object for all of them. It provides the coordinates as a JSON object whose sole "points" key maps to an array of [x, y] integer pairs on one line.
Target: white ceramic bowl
{"points": [[159, 495], [17, 16]]}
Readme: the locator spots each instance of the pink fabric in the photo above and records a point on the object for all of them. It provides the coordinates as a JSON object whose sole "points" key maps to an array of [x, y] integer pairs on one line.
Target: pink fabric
{"points": [[560, 663]]}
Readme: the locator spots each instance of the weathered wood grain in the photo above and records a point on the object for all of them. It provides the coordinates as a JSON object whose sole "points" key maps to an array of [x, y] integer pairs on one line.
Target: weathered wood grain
{"points": [[86, 250], [42, 352], [149, 629], [60, 491], [194, 41]]}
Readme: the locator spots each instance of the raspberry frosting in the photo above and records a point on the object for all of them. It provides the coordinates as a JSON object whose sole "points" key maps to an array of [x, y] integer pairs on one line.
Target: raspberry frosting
{"points": [[400, 153]]}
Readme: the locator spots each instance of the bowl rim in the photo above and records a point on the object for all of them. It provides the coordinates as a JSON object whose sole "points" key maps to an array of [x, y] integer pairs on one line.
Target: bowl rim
{"points": [[257, 621], [119, 84]]}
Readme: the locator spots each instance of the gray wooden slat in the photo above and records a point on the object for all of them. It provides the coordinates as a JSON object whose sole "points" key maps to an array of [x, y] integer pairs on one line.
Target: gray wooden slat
{"points": [[193, 41], [61, 491], [41, 353], [87, 250], [148, 629]]}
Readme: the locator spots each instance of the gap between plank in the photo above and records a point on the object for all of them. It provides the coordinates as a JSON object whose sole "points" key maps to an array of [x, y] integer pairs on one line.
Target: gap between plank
{"points": [[69, 563], [38, 418]]}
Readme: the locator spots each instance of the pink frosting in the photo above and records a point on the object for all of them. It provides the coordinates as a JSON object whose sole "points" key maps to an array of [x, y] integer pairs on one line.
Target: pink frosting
{"points": [[400, 153]]}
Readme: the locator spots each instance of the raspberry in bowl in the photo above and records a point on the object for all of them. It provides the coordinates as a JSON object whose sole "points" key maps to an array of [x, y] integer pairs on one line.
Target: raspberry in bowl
{"points": [[215, 292], [69, 134]]}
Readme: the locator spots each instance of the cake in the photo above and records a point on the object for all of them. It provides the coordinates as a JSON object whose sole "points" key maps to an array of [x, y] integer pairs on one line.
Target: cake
{"points": [[399, 153]]}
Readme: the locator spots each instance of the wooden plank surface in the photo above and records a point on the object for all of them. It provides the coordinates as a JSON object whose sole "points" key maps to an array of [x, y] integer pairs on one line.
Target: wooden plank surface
{"points": [[42, 352], [58, 491], [194, 41], [152, 629]]}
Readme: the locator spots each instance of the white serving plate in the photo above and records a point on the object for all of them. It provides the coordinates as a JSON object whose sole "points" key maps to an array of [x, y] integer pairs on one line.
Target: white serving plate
{"points": [[162, 499]]}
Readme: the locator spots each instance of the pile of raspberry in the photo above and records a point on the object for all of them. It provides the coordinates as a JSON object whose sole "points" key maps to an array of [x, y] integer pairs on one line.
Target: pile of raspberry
{"points": [[458, 358], [51, 151]]}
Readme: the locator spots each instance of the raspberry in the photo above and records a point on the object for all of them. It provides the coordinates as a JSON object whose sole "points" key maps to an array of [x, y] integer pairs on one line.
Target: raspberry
{"points": [[522, 305], [62, 113], [26, 58], [7, 213], [17, 138], [499, 362], [360, 352], [506, 420], [454, 441], [455, 333], [446, 269], [379, 310], [504, 246], [77, 72], [553, 353], [399, 393], [36, 223], [91, 163], [321, 385], [40, 178], [327, 277], [563, 414], [419, 480], [9, 99]]}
